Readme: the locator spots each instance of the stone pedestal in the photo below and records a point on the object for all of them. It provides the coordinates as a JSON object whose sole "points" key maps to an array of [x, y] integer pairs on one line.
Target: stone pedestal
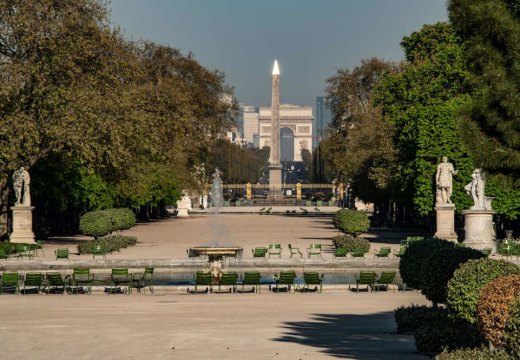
{"points": [[479, 231], [182, 212], [183, 206], [22, 224], [446, 222]]}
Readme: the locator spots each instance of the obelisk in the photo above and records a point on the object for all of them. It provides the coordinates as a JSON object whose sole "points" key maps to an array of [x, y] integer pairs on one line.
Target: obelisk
{"points": [[275, 168]]}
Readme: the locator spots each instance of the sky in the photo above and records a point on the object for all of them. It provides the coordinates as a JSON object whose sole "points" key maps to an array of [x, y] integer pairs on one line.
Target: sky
{"points": [[311, 39]]}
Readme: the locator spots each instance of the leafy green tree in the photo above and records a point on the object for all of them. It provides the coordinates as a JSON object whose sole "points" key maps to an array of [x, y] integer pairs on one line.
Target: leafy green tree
{"points": [[359, 144], [490, 125], [422, 101]]}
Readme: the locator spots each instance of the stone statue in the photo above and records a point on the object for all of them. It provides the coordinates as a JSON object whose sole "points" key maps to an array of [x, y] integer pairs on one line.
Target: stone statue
{"points": [[443, 178], [21, 182], [475, 189]]}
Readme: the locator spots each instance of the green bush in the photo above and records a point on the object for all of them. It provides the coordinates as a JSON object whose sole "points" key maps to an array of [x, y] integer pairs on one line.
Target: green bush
{"points": [[416, 253], [468, 279], [351, 222], [494, 305], [110, 243], [512, 331], [349, 242], [122, 219], [444, 332], [409, 318], [96, 224], [439, 268], [475, 354]]}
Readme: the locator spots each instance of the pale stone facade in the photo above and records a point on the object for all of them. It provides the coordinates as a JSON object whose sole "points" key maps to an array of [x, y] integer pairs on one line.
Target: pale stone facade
{"points": [[297, 118], [250, 124]]}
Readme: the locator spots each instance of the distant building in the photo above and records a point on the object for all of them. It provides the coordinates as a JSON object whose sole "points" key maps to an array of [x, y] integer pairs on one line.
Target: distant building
{"points": [[322, 120], [249, 128], [295, 130]]}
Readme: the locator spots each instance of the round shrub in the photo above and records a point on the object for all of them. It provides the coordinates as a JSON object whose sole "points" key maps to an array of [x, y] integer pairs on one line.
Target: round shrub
{"points": [[494, 304], [351, 222], [468, 279], [444, 332], [474, 354], [416, 253], [122, 219], [438, 269], [350, 243], [512, 331], [96, 224]]}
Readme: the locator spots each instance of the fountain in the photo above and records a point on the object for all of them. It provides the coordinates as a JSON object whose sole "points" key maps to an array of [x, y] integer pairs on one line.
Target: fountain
{"points": [[216, 251]]}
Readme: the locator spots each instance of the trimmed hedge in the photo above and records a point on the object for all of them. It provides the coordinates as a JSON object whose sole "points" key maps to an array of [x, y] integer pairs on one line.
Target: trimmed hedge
{"points": [[494, 305], [468, 280], [416, 253], [351, 222], [439, 268], [409, 318], [444, 332], [110, 244], [350, 243], [512, 331], [96, 224], [475, 354]]}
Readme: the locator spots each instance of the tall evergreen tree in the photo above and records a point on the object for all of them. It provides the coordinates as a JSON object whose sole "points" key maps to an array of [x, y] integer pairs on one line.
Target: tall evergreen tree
{"points": [[490, 30]]}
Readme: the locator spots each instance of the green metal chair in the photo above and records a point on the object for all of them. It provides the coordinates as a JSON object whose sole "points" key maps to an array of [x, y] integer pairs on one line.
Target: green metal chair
{"points": [[79, 279], [252, 278], [32, 282], [9, 283], [259, 252], [295, 251], [275, 249], [99, 250], [119, 277], [486, 251], [3, 254], [365, 278], [312, 278], [285, 278], [62, 254], [383, 252], [387, 278], [402, 249], [23, 250], [55, 284], [506, 248], [228, 279], [143, 280], [358, 252], [203, 279], [314, 249], [341, 252], [39, 246]]}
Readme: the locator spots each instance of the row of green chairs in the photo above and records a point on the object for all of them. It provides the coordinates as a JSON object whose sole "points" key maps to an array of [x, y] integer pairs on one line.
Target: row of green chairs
{"points": [[80, 281], [509, 248], [232, 280], [20, 250], [344, 252], [276, 250], [372, 281]]}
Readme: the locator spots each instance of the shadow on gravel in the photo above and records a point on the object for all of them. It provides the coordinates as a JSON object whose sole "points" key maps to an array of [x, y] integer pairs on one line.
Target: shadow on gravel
{"points": [[367, 337]]}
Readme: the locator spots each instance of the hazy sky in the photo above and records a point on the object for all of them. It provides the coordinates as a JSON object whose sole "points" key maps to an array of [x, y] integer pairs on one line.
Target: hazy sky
{"points": [[310, 38]]}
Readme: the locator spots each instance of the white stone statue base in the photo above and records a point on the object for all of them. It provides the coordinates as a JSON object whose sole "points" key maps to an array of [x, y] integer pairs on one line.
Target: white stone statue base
{"points": [[22, 224], [480, 233], [182, 212], [446, 222]]}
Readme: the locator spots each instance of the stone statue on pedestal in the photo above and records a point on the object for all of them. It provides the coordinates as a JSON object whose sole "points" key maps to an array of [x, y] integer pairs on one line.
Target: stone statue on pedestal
{"points": [[476, 189], [21, 182], [444, 181]]}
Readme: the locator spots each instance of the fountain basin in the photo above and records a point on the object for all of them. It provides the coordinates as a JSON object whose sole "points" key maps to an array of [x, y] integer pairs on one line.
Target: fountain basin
{"points": [[215, 251]]}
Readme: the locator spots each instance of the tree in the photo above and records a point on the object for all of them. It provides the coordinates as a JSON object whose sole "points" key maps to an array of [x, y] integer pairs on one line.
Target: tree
{"points": [[490, 125], [359, 144], [422, 102]]}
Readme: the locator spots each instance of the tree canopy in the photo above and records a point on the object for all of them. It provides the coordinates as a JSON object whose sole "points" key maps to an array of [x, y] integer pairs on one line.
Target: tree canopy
{"points": [[491, 123]]}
